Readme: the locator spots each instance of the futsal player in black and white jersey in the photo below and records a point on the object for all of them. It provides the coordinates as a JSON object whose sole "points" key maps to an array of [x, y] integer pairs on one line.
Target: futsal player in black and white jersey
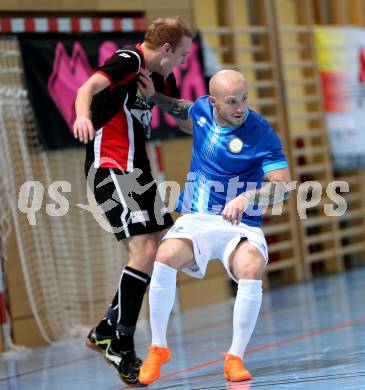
{"points": [[112, 118]]}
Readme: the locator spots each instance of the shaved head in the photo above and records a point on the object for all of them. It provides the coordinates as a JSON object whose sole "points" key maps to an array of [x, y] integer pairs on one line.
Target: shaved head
{"points": [[228, 97], [225, 81]]}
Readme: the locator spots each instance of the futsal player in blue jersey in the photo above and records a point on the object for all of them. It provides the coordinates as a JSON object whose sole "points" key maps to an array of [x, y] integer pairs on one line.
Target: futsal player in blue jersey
{"points": [[234, 149]]}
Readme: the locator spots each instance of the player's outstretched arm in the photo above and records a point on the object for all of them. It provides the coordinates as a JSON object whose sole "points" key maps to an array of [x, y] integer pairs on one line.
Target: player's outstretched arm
{"points": [[177, 108]]}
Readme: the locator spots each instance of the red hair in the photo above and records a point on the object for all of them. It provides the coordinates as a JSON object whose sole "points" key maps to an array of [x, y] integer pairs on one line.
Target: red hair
{"points": [[168, 30]]}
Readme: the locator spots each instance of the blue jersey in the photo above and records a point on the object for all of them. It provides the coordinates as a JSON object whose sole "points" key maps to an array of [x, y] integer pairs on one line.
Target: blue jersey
{"points": [[228, 161]]}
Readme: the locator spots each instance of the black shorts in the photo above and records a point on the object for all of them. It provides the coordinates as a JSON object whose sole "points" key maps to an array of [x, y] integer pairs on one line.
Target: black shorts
{"points": [[130, 201]]}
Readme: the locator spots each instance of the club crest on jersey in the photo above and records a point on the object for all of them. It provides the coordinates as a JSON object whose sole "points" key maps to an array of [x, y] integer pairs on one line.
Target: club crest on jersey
{"points": [[235, 145]]}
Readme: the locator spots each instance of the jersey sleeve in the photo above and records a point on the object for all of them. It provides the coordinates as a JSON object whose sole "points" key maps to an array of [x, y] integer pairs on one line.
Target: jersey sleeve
{"points": [[121, 67], [196, 107], [271, 153], [191, 111], [197, 114]]}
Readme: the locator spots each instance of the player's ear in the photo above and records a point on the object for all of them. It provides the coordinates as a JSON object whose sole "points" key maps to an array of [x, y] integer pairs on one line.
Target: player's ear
{"points": [[212, 100], [166, 48]]}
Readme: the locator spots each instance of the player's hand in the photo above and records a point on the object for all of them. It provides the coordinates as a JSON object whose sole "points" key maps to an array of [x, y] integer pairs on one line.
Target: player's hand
{"points": [[234, 209], [145, 84], [83, 129]]}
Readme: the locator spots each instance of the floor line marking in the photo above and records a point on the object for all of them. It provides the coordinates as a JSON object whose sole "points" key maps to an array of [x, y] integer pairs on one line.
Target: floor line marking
{"points": [[273, 345]]}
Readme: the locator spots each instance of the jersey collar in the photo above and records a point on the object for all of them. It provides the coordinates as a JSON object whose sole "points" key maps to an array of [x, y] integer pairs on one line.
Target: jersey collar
{"points": [[140, 51]]}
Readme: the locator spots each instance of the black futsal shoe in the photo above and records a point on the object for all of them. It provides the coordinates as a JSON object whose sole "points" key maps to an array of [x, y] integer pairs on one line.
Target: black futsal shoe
{"points": [[97, 341], [127, 364]]}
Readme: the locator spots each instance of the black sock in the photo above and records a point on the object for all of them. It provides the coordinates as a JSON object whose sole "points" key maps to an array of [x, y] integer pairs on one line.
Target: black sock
{"points": [[132, 287], [106, 328], [114, 303], [123, 343], [112, 312]]}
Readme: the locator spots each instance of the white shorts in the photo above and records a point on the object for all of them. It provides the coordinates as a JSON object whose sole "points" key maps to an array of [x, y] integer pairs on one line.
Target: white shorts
{"points": [[214, 238]]}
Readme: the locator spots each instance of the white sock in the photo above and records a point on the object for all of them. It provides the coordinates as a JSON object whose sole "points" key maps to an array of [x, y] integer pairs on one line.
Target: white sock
{"points": [[161, 298], [245, 313]]}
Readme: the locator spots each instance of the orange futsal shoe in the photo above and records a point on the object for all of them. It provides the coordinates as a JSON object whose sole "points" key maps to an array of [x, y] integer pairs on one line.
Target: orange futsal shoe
{"points": [[234, 370], [150, 369]]}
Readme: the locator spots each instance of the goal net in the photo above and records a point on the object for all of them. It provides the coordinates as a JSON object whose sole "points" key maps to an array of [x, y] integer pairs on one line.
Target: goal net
{"points": [[70, 265]]}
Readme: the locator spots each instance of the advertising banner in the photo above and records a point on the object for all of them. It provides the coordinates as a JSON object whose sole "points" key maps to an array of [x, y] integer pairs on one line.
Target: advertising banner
{"points": [[56, 65], [341, 56]]}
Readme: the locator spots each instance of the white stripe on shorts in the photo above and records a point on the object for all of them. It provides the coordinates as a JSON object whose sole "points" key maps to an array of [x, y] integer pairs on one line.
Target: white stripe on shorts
{"points": [[122, 201]]}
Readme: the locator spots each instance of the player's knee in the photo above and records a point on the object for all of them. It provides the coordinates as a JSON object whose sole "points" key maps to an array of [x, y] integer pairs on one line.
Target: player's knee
{"points": [[251, 268], [166, 259], [251, 271], [163, 256]]}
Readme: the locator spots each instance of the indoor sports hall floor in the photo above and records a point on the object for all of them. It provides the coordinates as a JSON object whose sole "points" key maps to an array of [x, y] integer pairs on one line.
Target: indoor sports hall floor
{"points": [[309, 336]]}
